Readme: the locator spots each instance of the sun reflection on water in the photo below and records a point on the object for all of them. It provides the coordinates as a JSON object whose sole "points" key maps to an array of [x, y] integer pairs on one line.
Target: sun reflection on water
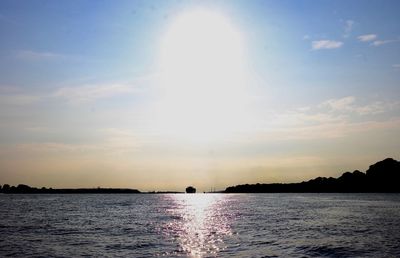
{"points": [[200, 224]]}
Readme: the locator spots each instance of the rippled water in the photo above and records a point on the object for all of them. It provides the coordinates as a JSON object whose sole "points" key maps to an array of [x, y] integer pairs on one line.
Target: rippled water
{"points": [[201, 225]]}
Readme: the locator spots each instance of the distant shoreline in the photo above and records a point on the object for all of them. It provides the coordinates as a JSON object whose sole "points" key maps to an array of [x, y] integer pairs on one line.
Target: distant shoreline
{"points": [[25, 189], [381, 177]]}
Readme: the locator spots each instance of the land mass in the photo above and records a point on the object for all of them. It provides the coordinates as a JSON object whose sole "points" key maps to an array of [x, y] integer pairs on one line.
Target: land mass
{"points": [[33, 190], [383, 176]]}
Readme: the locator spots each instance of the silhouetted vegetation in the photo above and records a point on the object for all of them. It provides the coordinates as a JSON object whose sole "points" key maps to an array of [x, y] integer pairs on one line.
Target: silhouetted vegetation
{"points": [[190, 189], [383, 176], [164, 192], [25, 189]]}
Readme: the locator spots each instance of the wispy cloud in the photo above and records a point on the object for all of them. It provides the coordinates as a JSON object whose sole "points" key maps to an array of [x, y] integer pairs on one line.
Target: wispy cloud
{"points": [[348, 27], [38, 56], [326, 44], [336, 129], [88, 93], [374, 38], [396, 66], [17, 99], [378, 43], [367, 37], [339, 104], [120, 141], [14, 96], [348, 105], [333, 118], [374, 108]]}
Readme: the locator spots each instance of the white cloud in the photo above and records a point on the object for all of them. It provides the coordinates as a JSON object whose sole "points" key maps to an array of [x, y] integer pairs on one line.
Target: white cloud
{"points": [[326, 44], [14, 96], [378, 43], [339, 129], [325, 129], [396, 66], [347, 105], [120, 141], [331, 119], [367, 37], [372, 108], [92, 92], [339, 104], [348, 27], [37, 56]]}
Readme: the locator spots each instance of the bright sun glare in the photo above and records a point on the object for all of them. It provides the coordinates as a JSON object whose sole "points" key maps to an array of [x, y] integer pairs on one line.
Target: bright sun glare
{"points": [[203, 78]]}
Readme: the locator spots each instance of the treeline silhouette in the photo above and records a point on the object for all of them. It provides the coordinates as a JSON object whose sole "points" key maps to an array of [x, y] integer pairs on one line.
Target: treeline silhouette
{"points": [[383, 176], [22, 189]]}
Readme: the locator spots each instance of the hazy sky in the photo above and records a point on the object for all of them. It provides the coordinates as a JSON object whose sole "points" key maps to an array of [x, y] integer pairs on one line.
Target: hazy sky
{"points": [[158, 95]]}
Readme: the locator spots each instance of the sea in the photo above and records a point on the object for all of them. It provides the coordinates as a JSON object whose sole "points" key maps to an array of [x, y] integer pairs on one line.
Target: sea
{"points": [[200, 225]]}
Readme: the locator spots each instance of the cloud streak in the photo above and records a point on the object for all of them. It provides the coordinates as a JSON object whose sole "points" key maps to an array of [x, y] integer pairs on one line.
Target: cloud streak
{"points": [[367, 37], [13, 96], [326, 44], [120, 141], [89, 93], [339, 104], [332, 118], [378, 43], [348, 105], [30, 55], [348, 27]]}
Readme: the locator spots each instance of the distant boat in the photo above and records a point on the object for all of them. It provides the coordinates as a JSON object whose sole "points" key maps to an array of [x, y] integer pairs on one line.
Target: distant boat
{"points": [[190, 189]]}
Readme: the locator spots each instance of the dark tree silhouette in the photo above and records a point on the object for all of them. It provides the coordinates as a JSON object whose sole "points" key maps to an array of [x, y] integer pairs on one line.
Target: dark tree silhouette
{"points": [[22, 189], [190, 189], [6, 188], [383, 176]]}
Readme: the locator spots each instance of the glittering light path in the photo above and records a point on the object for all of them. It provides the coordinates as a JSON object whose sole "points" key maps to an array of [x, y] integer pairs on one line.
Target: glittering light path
{"points": [[200, 224]]}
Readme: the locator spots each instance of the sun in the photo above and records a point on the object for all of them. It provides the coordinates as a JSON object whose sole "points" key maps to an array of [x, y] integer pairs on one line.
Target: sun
{"points": [[203, 78]]}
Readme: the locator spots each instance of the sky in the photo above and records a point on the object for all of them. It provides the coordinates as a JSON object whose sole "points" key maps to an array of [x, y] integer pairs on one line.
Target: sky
{"points": [[159, 95]]}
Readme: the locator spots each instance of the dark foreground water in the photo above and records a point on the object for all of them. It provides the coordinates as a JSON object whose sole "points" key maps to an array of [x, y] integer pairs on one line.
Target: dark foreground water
{"points": [[201, 225]]}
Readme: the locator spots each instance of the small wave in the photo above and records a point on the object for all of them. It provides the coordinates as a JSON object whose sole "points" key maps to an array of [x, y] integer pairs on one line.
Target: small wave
{"points": [[258, 243], [246, 226], [64, 232], [146, 245], [330, 251], [82, 243]]}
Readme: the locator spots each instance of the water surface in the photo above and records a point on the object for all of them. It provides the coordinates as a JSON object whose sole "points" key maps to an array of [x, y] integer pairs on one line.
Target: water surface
{"points": [[201, 225]]}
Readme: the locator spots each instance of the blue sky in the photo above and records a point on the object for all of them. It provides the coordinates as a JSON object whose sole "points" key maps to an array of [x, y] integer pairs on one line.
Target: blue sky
{"points": [[82, 84]]}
